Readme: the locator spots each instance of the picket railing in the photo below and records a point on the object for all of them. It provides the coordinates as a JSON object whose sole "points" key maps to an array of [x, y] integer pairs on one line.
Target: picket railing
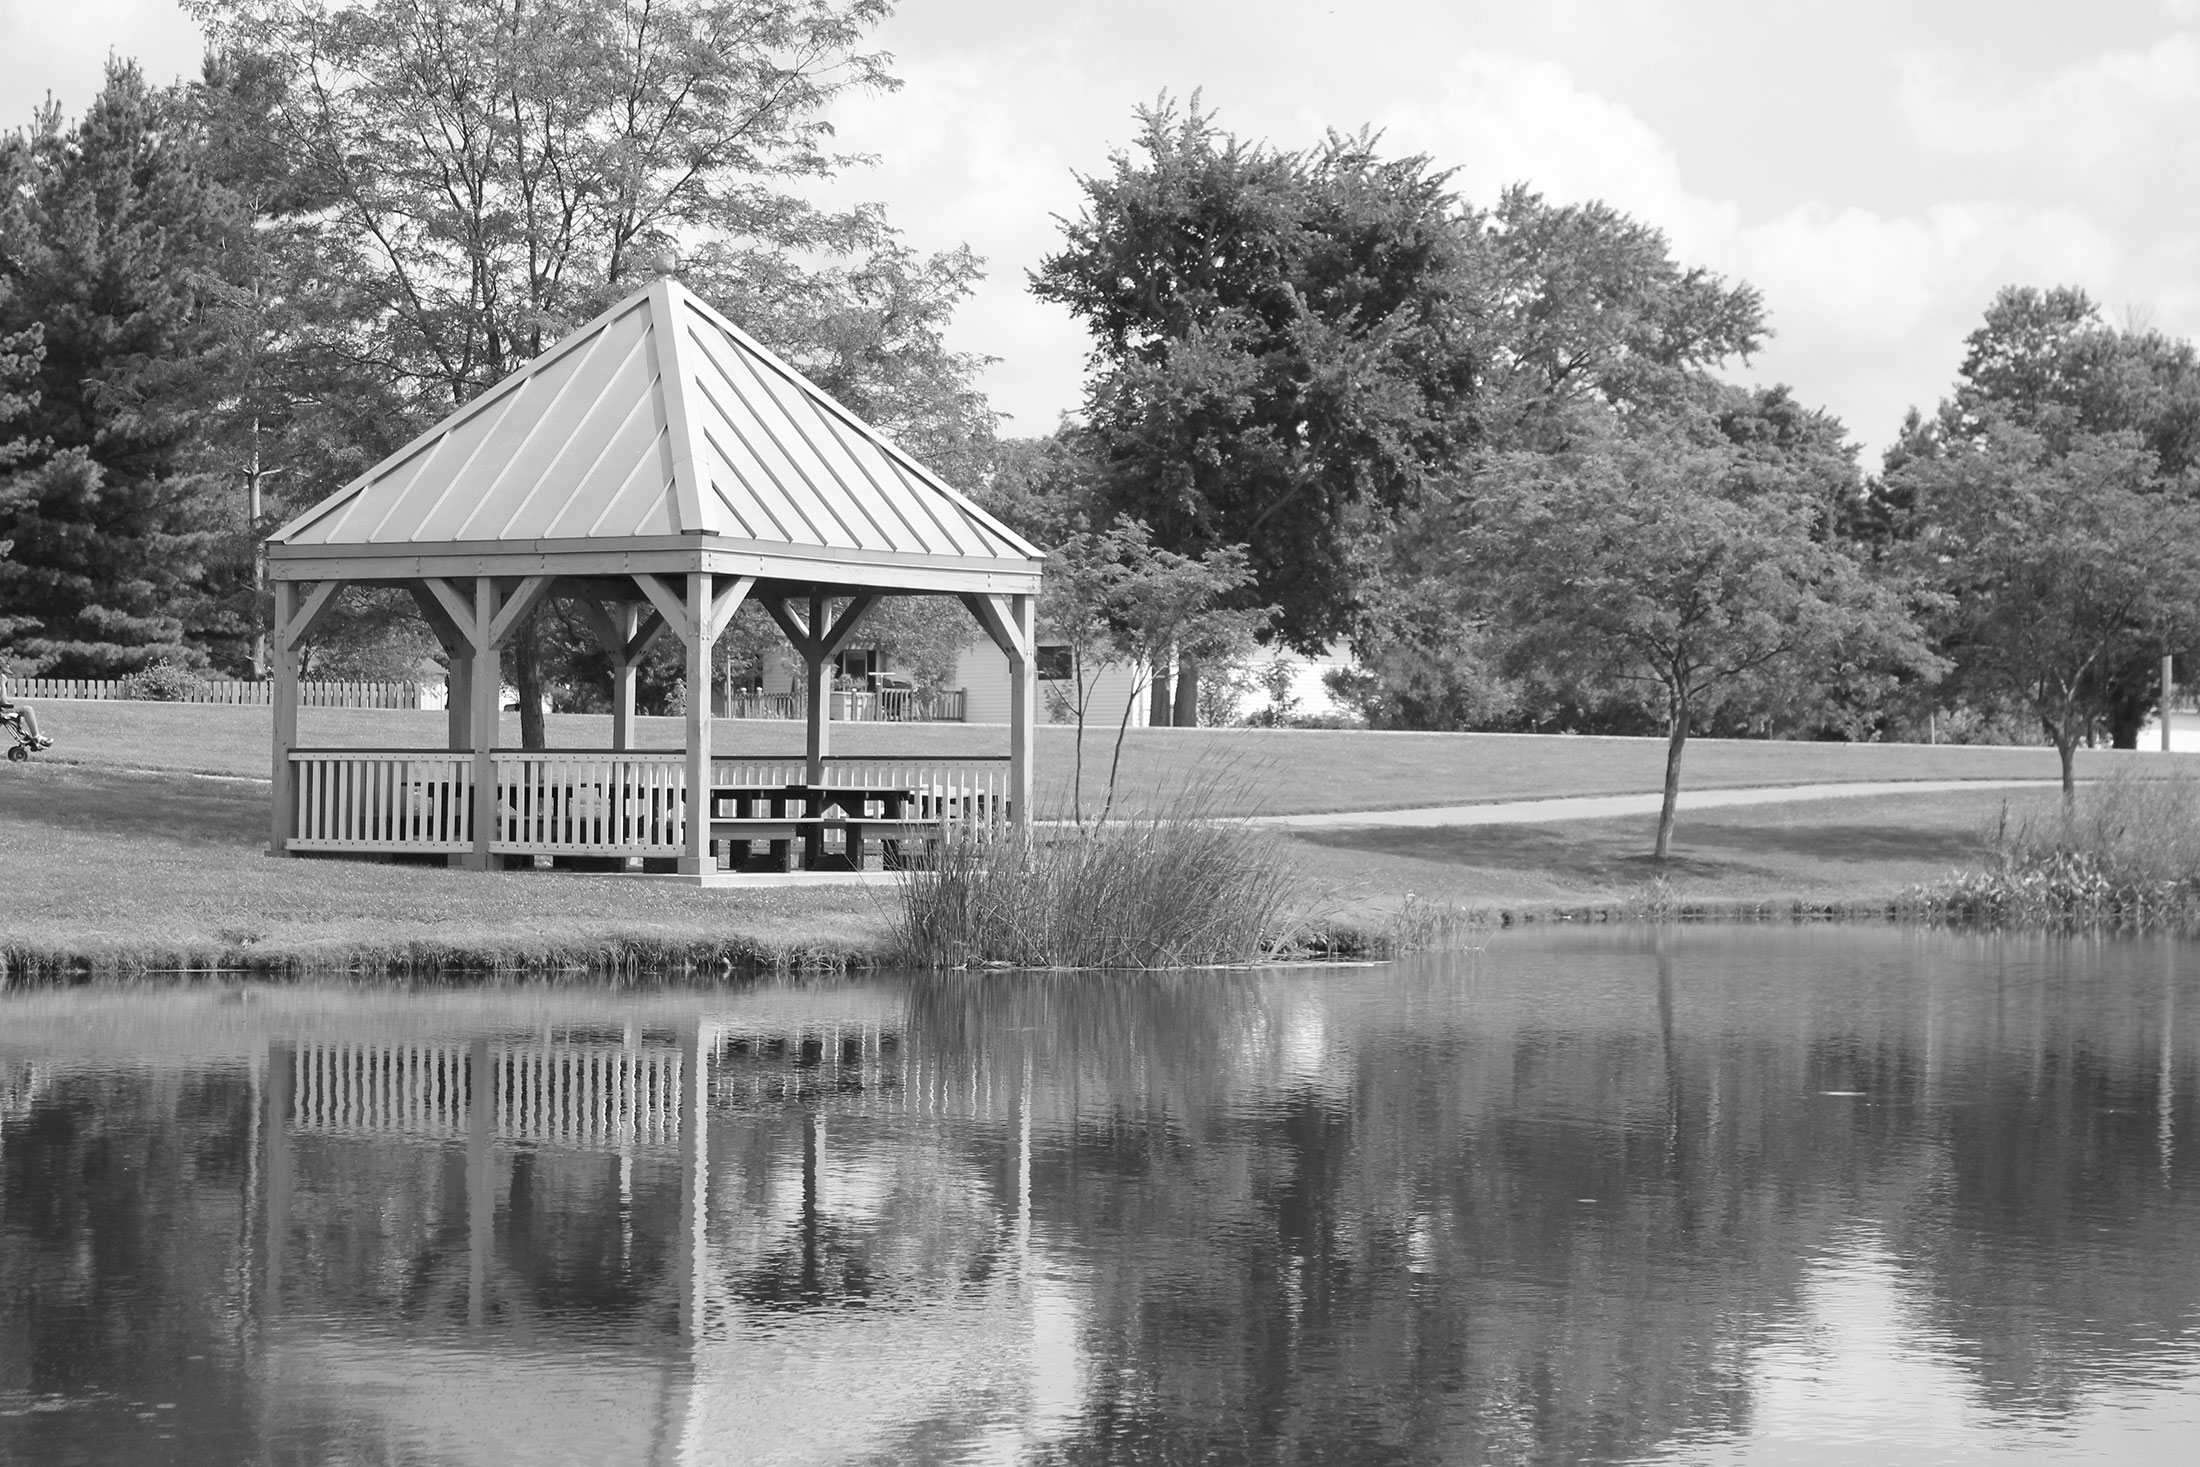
{"points": [[232, 692], [559, 803], [351, 801]]}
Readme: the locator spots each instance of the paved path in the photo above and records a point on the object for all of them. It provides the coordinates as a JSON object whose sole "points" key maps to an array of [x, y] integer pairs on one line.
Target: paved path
{"points": [[1598, 807]]}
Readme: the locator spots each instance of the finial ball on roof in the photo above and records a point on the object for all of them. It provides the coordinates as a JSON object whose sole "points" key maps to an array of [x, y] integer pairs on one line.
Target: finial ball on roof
{"points": [[667, 261]]}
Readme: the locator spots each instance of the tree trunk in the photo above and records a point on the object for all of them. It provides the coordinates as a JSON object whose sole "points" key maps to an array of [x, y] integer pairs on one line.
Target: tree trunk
{"points": [[527, 677], [1676, 741], [2066, 748], [1187, 693], [1157, 715]]}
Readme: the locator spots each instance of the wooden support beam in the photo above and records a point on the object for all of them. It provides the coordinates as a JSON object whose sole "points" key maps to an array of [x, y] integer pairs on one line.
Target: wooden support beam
{"points": [[725, 601], [525, 598], [696, 857], [818, 716], [668, 604], [457, 605], [317, 605], [283, 648], [1023, 703], [997, 614], [488, 707]]}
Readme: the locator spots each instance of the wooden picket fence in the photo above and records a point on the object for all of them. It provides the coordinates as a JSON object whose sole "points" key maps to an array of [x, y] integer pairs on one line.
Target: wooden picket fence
{"points": [[234, 692]]}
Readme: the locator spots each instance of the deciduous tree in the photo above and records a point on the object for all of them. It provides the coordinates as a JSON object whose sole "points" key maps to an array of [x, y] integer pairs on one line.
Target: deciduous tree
{"points": [[2061, 569], [1672, 570], [1279, 355]]}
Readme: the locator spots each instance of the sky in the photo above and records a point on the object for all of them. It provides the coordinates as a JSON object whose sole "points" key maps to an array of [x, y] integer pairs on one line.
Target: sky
{"points": [[1877, 169]]}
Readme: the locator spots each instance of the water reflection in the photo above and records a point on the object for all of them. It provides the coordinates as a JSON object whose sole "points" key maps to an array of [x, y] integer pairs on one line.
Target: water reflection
{"points": [[1713, 1196]]}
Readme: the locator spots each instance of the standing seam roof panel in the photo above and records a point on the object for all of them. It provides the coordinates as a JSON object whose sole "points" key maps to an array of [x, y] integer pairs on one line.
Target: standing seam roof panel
{"points": [[642, 504], [912, 471], [838, 485], [634, 440], [495, 512], [955, 523], [564, 482], [494, 435], [754, 453], [876, 498], [775, 472], [742, 507], [806, 480], [865, 516], [762, 488]]}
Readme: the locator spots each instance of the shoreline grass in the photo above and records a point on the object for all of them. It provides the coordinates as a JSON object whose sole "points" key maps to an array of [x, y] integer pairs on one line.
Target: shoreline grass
{"points": [[2125, 857]]}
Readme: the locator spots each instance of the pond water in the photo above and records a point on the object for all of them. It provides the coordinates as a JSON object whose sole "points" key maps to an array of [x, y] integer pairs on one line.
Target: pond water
{"points": [[1698, 1195]]}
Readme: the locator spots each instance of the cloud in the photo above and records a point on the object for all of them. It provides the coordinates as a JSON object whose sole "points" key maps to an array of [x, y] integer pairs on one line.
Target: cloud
{"points": [[2115, 112], [1869, 307]]}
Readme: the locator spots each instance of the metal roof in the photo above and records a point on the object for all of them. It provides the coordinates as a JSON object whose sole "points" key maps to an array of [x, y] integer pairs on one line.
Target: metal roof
{"points": [[658, 418]]}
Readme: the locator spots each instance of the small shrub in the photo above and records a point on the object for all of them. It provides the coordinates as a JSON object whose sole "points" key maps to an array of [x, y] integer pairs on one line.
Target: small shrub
{"points": [[2127, 858], [161, 681], [1152, 891]]}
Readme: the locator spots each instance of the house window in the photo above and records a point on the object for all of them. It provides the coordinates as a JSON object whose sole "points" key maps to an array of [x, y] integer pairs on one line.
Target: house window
{"points": [[857, 664], [1056, 664]]}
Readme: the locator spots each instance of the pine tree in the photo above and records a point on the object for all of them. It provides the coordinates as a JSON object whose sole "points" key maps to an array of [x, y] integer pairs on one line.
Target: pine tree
{"points": [[111, 239]]}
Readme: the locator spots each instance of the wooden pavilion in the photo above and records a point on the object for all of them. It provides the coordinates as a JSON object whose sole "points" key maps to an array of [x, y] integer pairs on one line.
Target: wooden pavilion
{"points": [[658, 467]]}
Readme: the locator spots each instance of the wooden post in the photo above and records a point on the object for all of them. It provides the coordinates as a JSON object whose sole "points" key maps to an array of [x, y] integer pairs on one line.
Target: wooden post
{"points": [[1023, 699], [626, 620], [821, 692], [488, 710], [460, 710], [283, 798], [696, 857], [2169, 686]]}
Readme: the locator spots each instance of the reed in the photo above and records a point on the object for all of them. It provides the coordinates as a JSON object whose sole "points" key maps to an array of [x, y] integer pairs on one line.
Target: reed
{"points": [[2124, 857], [1181, 888]]}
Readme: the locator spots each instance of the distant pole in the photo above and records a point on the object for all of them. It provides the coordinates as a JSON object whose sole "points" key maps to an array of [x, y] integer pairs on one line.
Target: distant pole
{"points": [[2169, 686]]}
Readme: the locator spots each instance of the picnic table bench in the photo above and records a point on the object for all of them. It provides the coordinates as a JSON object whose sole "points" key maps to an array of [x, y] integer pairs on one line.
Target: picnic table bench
{"points": [[780, 815]]}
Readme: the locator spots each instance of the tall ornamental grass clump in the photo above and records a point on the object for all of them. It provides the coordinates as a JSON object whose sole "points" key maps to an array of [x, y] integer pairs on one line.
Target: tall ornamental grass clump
{"points": [[2125, 855], [1146, 891]]}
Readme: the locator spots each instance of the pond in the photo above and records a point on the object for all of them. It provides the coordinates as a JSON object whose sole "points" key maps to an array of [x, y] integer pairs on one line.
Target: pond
{"points": [[1719, 1195]]}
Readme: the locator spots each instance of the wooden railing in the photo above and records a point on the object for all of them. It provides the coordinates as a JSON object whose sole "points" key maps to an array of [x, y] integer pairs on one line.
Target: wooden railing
{"points": [[353, 801], [559, 803], [235, 693]]}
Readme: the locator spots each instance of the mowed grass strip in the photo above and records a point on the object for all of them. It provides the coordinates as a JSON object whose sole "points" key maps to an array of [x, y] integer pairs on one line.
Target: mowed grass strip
{"points": [[1848, 854], [1266, 771], [135, 870]]}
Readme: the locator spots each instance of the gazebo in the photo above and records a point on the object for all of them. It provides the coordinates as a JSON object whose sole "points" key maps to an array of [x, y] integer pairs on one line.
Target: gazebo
{"points": [[658, 467]]}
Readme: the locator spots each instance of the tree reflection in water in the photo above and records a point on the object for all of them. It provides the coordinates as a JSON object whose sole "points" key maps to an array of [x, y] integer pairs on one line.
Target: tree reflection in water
{"points": [[1586, 1196]]}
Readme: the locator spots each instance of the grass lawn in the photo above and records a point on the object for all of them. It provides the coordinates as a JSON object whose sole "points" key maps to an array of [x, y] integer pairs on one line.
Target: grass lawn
{"points": [[1276, 771], [136, 870], [1849, 853]]}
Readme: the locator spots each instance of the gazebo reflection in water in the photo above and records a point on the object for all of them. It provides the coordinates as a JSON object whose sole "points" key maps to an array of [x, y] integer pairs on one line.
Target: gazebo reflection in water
{"points": [[596, 1238], [655, 471]]}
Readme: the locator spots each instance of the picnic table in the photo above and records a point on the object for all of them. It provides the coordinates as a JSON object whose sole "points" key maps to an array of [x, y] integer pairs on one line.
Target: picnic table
{"points": [[780, 815]]}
